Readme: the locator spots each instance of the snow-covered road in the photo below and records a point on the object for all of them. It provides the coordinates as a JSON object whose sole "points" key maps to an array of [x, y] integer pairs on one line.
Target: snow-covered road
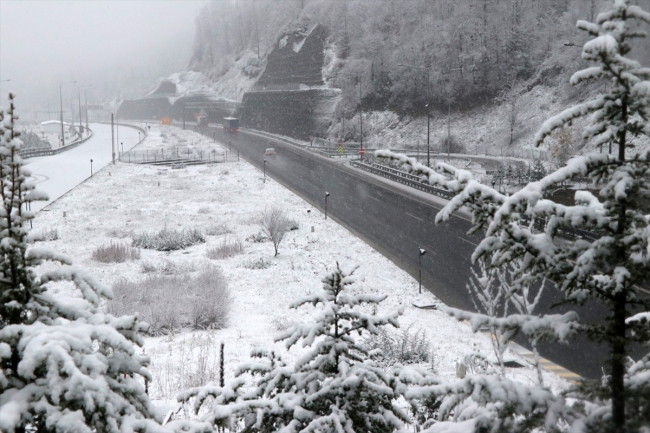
{"points": [[58, 174]]}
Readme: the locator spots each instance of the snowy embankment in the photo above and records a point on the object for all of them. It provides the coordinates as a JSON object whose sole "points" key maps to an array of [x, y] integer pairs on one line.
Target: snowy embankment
{"points": [[126, 199]]}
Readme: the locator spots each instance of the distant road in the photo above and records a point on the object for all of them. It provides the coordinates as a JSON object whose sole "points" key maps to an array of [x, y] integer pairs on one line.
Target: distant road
{"points": [[58, 174], [396, 222]]}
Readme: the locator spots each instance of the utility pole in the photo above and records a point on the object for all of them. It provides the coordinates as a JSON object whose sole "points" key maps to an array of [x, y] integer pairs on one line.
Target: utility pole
{"points": [[426, 106], [86, 103], [448, 127], [361, 113], [61, 111], [79, 99], [112, 140]]}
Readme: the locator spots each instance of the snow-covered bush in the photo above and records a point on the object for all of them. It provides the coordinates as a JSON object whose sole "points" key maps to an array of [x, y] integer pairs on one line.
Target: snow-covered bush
{"points": [[217, 230], [115, 252], [171, 302], [48, 235], [257, 264], [31, 140], [610, 268], [168, 239], [334, 387], [65, 366], [405, 347], [227, 248]]}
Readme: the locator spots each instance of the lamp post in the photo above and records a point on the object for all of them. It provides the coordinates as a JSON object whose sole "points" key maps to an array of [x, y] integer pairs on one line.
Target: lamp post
{"points": [[79, 99], [264, 170], [327, 194], [360, 109], [138, 136], [85, 102], [214, 135], [426, 106], [91, 168], [422, 252], [61, 111]]}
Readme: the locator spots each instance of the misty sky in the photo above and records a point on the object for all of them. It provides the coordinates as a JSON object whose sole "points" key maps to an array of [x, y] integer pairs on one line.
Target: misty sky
{"points": [[99, 42]]}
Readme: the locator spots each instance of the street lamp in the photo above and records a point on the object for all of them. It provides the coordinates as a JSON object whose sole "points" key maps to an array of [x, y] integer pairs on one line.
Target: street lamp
{"points": [[122, 143], [91, 168], [422, 252], [85, 102], [214, 135], [327, 194], [360, 108], [61, 112], [264, 170], [426, 106]]}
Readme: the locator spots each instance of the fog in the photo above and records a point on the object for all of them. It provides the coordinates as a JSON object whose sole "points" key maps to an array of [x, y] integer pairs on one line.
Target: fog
{"points": [[119, 48]]}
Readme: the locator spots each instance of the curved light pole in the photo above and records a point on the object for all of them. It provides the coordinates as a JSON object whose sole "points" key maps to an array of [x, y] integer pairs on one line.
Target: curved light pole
{"points": [[426, 106], [86, 87], [327, 194], [61, 112], [358, 76], [422, 252]]}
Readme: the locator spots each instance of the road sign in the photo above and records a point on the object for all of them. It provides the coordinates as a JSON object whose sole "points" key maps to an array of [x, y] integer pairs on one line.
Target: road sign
{"points": [[340, 149], [166, 121], [361, 152]]}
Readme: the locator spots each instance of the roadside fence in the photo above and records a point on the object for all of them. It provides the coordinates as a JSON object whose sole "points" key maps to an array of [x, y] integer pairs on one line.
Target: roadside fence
{"points": [[186, 155]]}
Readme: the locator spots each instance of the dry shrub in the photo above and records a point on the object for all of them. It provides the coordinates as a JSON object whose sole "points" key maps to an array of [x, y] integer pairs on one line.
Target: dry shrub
{"points": [[217, 230], [405, 348], [49, 235], [120, 233], [115, 252], [168, 239], [257, 264], [175, 301], [227, 248]]}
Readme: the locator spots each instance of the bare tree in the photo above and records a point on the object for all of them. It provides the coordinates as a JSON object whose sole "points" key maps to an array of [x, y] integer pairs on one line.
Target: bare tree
{"points": [[275, 225]]}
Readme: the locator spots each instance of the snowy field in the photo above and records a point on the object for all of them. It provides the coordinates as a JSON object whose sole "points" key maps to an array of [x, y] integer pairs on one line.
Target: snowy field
{"points": [[125, 199], [58, 174]]}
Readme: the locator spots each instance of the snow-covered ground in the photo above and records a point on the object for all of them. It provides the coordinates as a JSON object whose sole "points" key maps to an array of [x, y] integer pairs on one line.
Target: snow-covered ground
{"points": [[136, 198], [57, 174]]}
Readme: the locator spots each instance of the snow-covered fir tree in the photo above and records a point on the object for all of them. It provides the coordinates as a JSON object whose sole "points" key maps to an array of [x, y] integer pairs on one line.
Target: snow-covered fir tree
{"points": [[334, 387], [64, 365], [610, 267]]}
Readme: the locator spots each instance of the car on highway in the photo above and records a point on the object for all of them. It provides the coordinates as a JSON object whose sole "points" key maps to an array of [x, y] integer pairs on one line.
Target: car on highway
{"points": [[270, 152]]}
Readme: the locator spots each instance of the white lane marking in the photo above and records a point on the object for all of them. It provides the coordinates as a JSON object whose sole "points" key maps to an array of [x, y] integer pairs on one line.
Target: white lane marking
{"points": [[413, 216], [465, 240]]}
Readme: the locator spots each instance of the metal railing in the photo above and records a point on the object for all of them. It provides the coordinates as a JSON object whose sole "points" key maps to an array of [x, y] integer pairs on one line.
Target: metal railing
{"points": [[188, 156], [402, 177]]}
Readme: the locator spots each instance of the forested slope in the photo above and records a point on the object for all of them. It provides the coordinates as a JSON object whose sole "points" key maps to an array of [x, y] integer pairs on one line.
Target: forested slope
{"points": [[477, 52]]}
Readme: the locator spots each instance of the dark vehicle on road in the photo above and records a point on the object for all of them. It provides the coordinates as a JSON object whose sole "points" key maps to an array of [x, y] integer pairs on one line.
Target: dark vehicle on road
{"points": [[231, 124]]}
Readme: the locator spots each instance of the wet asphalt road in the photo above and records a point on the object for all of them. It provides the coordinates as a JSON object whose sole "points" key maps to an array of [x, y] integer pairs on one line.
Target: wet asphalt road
{"points": [[397, 223]]}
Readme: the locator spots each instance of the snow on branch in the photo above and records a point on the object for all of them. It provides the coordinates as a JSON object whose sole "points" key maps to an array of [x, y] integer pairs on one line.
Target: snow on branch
{"points": [[559, 327]]}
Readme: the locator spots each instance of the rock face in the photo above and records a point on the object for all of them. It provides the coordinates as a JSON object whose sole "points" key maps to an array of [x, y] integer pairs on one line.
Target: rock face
{"points": [[296, 113], [288, 98]]}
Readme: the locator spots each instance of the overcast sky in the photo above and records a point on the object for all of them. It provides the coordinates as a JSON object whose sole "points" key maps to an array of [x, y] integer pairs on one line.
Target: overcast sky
{"points": [[44, 43]]}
